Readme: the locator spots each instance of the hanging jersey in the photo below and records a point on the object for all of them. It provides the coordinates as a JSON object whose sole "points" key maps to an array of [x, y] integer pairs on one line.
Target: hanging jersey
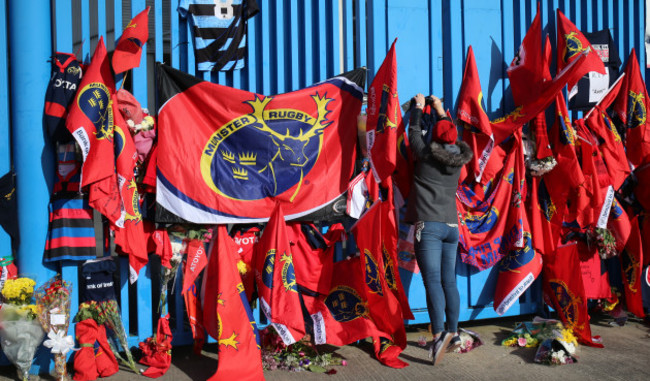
{"points": [[219, 31], [68, 171], [71, 235], [66, 75], [593, 86]]}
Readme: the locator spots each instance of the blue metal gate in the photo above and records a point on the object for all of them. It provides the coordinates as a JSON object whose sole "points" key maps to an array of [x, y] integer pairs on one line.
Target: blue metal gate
{"points": [[291, 44]]}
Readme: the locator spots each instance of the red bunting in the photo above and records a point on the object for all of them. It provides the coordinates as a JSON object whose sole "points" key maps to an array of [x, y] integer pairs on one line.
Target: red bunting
{"points": [[384, 116], [196, 261], [564, 291], [129, 47], [631, 106], [570, 44], [227, 315], [631, 269]]}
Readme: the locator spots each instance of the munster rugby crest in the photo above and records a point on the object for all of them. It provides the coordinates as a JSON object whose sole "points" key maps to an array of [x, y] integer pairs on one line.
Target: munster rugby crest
{"points": [[567, 302], [94, 101], [265, 152], [345, 304], [636, 109], [372, 273], [572, 47]]}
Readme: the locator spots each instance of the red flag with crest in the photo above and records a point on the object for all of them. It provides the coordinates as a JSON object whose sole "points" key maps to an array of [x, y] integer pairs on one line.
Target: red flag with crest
{"points": [[228, 317], [477, 130], [343, 313], [612, 150], [131, 237], [384, 308], [526, 71], [631, 106], [570, 44], [384, 116], [276, 279], [129, 47], [90, 122], [564, 291], [492, 227], [632, 269]]}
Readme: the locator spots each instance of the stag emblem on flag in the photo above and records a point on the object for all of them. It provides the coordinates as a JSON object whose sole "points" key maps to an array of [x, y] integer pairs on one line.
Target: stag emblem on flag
{"points": [[282, 146]]}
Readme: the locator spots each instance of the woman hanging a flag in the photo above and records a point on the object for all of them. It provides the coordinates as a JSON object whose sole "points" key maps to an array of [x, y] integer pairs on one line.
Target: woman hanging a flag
{"points": [[432, 208]]}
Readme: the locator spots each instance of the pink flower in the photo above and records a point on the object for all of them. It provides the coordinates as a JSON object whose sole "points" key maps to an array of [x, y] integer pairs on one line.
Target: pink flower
{"points": [[522, 342], [344, 363]]}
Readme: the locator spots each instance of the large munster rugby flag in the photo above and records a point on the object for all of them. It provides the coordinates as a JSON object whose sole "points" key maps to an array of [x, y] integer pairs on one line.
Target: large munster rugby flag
{"points": [[226, 155]]}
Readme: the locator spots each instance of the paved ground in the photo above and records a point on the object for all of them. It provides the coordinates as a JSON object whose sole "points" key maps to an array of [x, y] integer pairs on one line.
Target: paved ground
{"points": [[626, 356]]}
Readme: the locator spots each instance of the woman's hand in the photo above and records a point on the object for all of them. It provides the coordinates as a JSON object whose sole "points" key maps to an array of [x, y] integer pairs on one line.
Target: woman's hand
{"points": [[419, 101], [437, 105]]}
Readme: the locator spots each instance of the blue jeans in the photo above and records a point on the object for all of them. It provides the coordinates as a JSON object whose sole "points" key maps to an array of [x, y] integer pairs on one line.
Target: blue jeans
{"points": [[435, 251]]}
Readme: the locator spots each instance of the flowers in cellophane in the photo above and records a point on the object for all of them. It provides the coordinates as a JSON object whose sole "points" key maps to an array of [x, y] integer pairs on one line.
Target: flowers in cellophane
{"points": [[53, 301], [557, 344], [604, 241], [20, 331]]}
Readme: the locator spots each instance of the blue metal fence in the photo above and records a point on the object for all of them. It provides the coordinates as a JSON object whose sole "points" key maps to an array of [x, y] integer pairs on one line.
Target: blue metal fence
{"points": [[291, 44]]}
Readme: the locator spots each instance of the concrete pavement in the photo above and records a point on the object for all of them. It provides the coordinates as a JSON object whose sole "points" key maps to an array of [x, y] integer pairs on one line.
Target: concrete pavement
{"points": [[626, 357]]}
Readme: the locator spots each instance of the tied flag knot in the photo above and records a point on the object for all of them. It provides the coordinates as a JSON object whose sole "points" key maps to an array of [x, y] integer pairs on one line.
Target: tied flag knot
{"points": [[58, 343]]}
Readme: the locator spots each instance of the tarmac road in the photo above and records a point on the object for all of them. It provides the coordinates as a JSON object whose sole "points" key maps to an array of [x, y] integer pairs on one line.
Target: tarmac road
{"points": [[626, 357]]}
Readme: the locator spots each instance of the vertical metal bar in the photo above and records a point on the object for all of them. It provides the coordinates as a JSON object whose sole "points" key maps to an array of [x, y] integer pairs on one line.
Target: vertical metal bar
{"points": [[435, 47], [158, 30], [264, 14], [308, 41], [30, 46], [5, 146], [360, 32], [295, 68], [280, 29], [348, 35], [377, 36], [125, 305], [334, 66], [174, 35], [322, 31], [101, 18], [63, 26], [85, 31], [454, 49], [252, 57]]}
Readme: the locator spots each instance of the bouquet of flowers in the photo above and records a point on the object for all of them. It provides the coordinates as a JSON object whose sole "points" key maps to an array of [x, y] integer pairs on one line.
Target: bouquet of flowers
{"points": [[604, 240], [468, 340], [20, 331], [296, 357], [53, 301], [110, 315], [557, 344]]}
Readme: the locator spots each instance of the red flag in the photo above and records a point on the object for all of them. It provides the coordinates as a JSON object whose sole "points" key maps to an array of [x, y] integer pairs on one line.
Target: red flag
{"points": [[404, 163], [246, 241], [228, 317], [389, 252], [129, 47], [517, 271], [195, 318], [276, 279], [245, 151], [595, 278], [631, 106], [612, 150], [492, 227], [642, 189], [384, 308], [542, 212], [384, 115], [477, 131], [196, 261], [157, 350], [90, 121], [620, 225], [567, 175], [313, 257], [538, 124], [564, 291], [504, 126], [631, 267], [526, 72], [343, 312], [570, 44], [131, 237]]}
